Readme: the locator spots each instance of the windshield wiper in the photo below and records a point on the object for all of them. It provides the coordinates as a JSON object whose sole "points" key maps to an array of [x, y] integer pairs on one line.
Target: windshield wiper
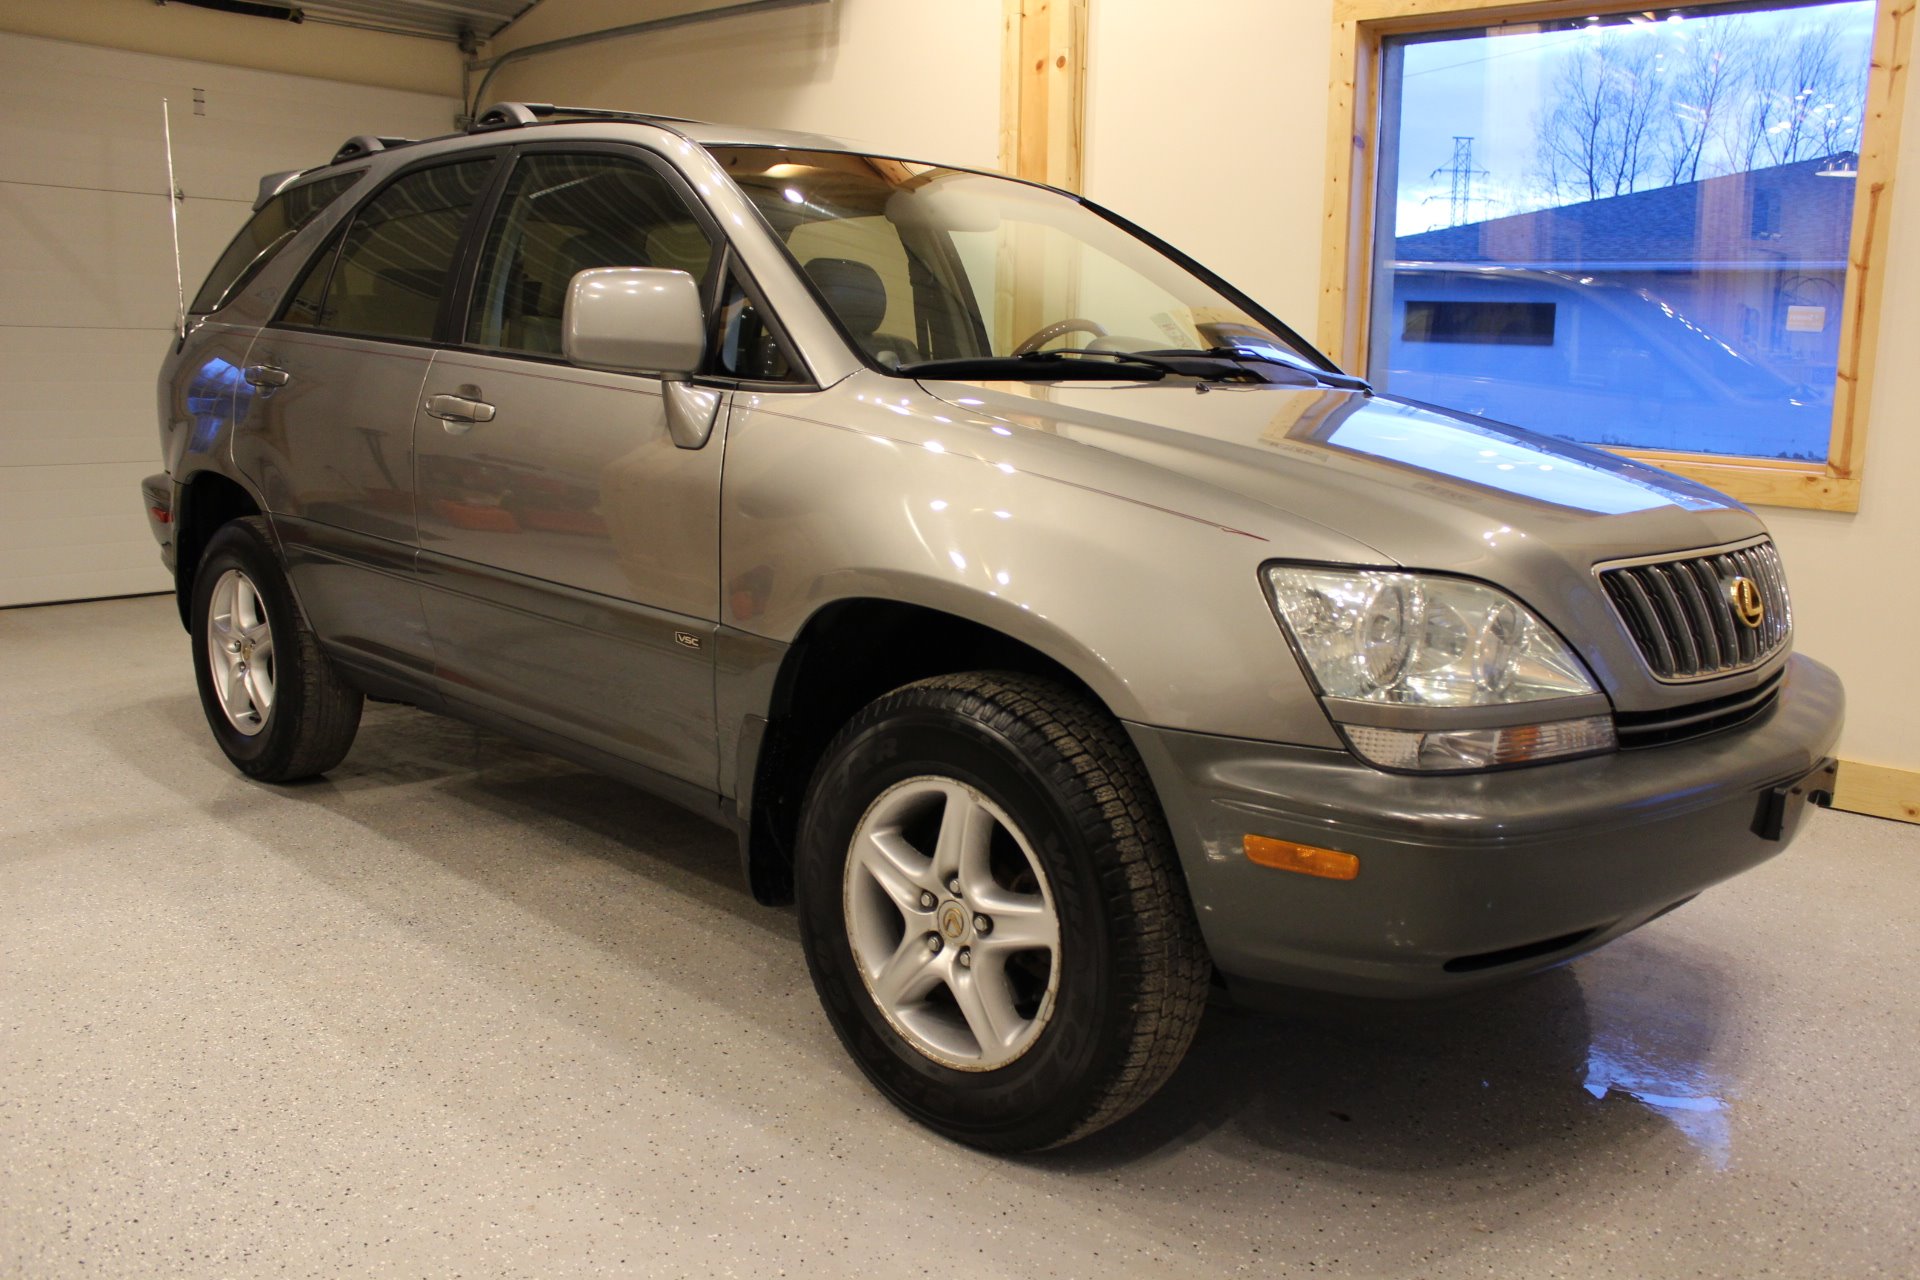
{"points": [[1183, 364], [1067, 363], [1328, 377]]}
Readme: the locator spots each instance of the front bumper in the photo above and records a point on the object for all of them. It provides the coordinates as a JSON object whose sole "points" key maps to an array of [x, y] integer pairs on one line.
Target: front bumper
{"points": [[1467, 879]]}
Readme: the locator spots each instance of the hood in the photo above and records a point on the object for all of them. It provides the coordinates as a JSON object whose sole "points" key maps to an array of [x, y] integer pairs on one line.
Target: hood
{"points": [[1424, 487]]}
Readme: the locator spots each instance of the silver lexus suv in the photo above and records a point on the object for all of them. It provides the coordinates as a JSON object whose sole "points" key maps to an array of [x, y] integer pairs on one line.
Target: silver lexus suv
{"points": [[1062, 633]]}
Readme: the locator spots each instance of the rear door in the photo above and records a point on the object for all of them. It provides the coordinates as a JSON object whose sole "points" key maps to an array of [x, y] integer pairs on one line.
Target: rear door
{"points": [[569, 549], [332, 385]]}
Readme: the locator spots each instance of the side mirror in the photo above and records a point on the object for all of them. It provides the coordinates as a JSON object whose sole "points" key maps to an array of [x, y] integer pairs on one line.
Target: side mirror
{"points": [[634, 320]]}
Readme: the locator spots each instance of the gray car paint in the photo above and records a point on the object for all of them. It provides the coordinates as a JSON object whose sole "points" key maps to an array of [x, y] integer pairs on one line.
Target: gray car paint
{"points": [[563, 545], [342, 498], [1118, 528], [1459, 866]]}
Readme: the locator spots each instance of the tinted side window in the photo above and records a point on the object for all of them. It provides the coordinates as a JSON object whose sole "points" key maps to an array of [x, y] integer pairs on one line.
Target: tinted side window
{"points": [[392, 268], [566, 214], [748, 346], [303, 311], [266, 233]]}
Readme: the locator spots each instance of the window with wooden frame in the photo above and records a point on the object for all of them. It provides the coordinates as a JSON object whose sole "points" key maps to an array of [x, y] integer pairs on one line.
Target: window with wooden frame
{"points": [[1657, 230]]}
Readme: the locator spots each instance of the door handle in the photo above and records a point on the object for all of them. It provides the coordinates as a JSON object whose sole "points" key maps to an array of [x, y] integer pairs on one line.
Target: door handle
{"points": [[458, 410], [265, 375]]}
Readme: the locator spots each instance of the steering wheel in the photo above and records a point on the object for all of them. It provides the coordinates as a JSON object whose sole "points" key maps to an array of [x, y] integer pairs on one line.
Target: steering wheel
{"points": [[1041, 337]]}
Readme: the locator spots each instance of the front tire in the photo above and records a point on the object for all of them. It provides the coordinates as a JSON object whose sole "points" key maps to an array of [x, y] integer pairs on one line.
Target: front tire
{"points": [[993, 912], [275, 704]]}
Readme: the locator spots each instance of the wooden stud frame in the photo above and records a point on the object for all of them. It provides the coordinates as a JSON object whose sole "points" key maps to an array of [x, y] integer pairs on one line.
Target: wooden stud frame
{"points": [[1346, 277], [1043, 91], [1043, 118]]}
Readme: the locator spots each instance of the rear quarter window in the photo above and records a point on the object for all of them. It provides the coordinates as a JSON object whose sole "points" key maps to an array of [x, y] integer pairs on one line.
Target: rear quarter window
{"points": [[266, 233]]}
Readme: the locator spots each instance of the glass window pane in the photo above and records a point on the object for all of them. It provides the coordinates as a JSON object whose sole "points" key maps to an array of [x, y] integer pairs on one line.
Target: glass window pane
{"points": [[568, 214], [918, 262], [748, 346], [265, 234], [861, 266], [394, 263], [309, 294], [1626, 231]]}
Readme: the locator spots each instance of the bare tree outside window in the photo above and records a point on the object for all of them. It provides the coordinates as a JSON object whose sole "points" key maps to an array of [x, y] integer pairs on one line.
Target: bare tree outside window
{"points": [[1638, 107], [1595, 140], [1801, 100], [1704, 90]]}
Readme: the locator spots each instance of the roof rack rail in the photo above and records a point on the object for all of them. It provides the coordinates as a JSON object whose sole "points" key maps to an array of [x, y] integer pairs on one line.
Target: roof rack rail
{"points": [[517, 115], [365, 144]]}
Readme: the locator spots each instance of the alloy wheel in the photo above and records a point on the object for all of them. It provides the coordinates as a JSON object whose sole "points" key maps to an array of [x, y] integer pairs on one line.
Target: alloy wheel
{"points": [[240, 652], [952, 923]]}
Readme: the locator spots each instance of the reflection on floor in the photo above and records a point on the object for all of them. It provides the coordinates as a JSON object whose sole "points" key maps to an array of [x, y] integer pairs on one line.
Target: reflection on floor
{"points": [[1674, 1090], [463, 1008]]}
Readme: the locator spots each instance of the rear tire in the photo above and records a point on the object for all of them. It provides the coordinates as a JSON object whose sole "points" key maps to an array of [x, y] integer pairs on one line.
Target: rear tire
{"points": [[1068, 976], [275, 704]]}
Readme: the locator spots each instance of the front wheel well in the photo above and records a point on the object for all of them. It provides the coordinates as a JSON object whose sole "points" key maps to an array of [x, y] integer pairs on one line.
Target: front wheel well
{"points": [[207, 501], [848, 654]]}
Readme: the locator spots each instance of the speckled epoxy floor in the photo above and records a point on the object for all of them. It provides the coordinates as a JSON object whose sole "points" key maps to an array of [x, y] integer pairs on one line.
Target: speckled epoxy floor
{"points": [[461, 1009]]}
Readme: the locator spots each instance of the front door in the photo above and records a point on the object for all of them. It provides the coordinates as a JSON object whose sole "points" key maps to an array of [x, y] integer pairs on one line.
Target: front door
{"points": [[569, 550]]}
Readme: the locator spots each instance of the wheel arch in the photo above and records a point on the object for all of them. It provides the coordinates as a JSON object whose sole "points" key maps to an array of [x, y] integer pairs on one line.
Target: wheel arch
{"points": [[849, 652], [208, 499]]}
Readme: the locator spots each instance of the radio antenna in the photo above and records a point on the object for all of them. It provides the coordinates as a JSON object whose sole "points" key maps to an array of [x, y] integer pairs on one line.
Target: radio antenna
{"points": [[173, 216]]}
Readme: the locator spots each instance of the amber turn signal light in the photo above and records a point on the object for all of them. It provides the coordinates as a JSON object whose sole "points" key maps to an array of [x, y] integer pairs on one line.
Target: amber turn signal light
{"points": [[1329, 864]]}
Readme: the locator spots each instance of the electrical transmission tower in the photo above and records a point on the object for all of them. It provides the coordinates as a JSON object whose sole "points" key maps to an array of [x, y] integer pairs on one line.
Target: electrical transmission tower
{"points": [[1462, 172]]}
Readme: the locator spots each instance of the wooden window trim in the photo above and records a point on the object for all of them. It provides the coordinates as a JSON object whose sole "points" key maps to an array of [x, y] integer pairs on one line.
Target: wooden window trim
{"points": [[1346, 281]]}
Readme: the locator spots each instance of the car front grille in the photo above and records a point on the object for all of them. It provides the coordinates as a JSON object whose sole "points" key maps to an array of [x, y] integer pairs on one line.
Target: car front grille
{"points": [[1683, 615]]}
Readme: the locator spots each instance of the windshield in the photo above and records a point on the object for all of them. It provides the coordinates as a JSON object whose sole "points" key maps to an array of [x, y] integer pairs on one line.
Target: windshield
{"points": [[920, 263]]}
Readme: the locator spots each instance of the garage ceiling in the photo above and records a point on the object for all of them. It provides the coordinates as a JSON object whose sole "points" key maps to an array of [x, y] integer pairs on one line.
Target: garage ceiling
{"points": [[445, 19]]}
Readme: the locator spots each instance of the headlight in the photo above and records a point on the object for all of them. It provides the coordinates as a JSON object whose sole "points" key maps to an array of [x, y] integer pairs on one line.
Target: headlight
{"points": [[1435, 642], [1381, 639]]}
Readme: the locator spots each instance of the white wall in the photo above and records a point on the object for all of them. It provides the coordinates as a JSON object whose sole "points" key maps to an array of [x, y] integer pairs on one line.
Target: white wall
{"points": [[86, 275], [1211, 130], [1207, 126], [346, 54], [914, 77]]}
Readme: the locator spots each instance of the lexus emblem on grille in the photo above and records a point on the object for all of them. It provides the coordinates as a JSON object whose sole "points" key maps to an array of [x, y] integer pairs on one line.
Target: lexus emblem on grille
{"points": [[1747, 604]]}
